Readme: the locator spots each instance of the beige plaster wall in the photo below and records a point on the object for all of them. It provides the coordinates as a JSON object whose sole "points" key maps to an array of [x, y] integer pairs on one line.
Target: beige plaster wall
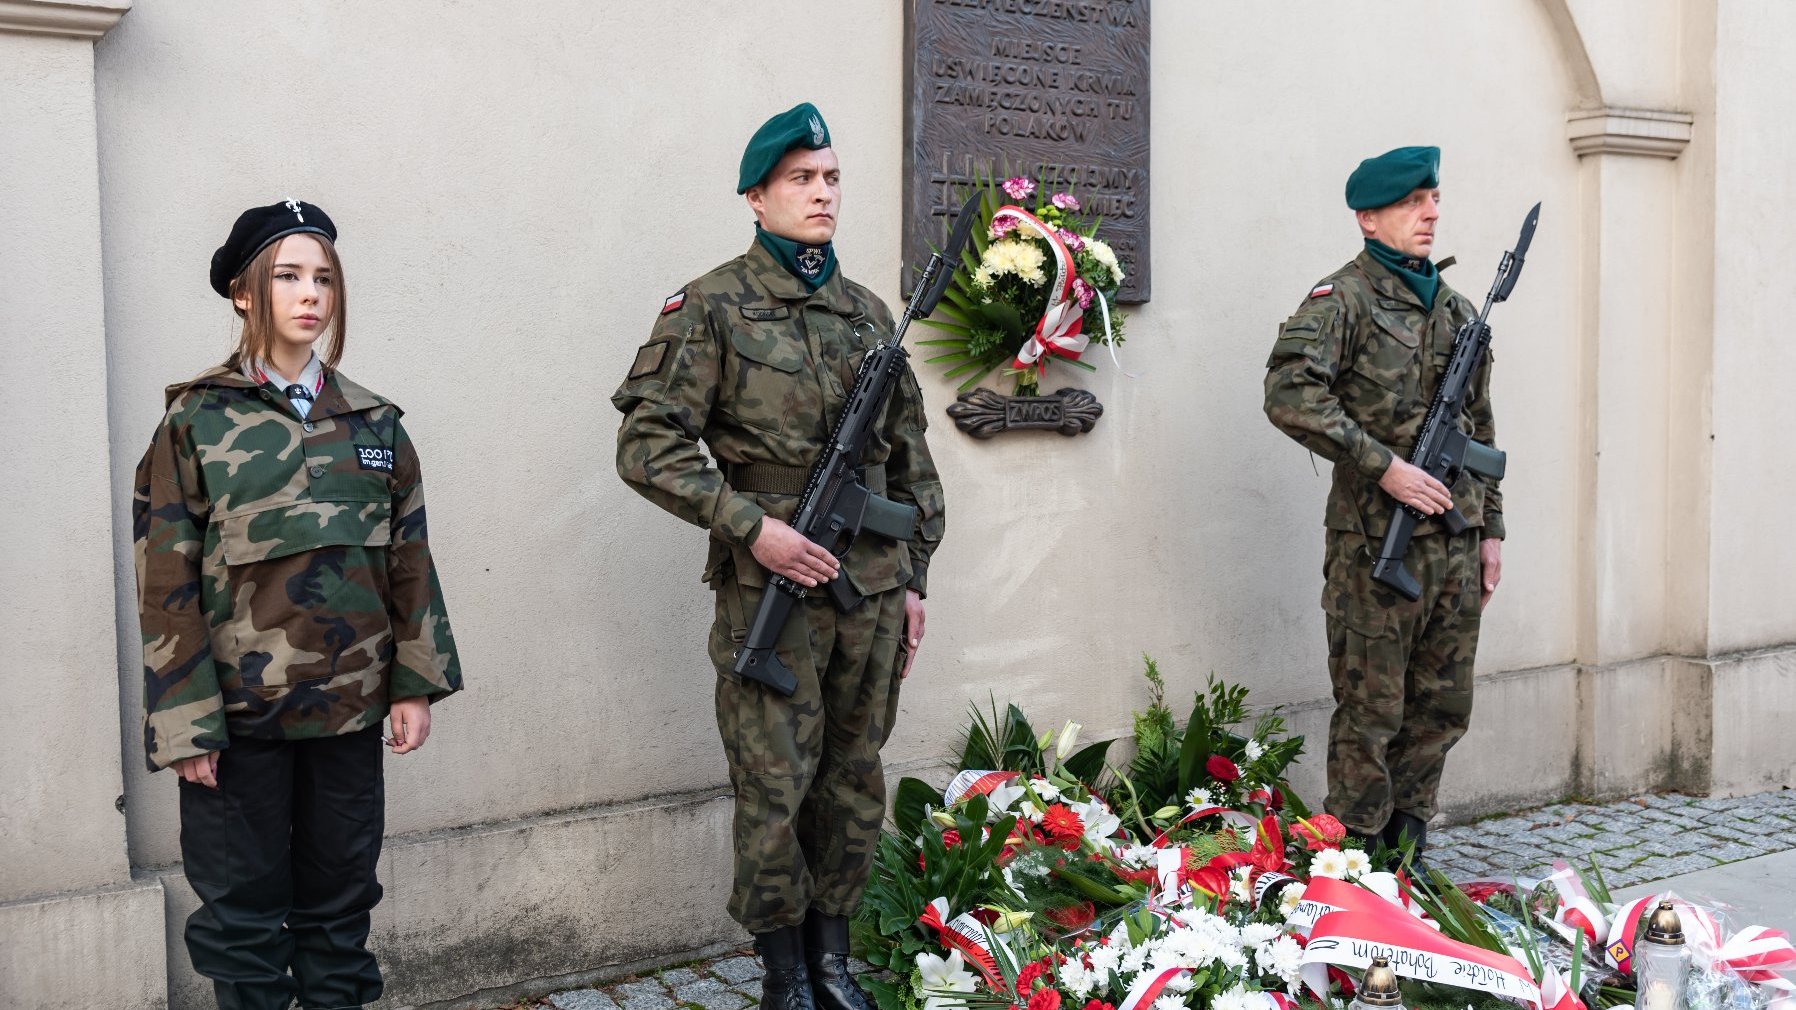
{"points": [[1754, 560], [513, 210], [58, 827]]}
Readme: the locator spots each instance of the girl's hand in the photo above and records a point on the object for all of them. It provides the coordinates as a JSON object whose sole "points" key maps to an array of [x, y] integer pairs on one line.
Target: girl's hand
{"points": [[410, 722], [202, 769]]}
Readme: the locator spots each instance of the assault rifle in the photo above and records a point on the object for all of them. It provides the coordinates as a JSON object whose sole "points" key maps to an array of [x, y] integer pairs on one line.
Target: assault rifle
{"points": [[837, 505], [1443, 451]]}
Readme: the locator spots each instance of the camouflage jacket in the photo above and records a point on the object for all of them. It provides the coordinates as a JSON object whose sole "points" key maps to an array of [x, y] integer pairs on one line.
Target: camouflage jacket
{"points": [[1351, 378], [284, 581], [756, 366]]}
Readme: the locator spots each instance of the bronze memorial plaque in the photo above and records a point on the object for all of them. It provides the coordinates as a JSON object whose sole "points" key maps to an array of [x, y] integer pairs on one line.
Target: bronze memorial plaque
{"points": [[1054, 89]]}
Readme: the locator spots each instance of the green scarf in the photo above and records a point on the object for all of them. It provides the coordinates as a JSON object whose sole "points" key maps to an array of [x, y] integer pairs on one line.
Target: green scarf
{"points": [[1418, 274], [796, 257]]}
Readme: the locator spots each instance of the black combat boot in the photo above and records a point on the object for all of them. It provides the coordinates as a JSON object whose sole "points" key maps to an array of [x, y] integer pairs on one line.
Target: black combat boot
{"points": [[826, 952], [1404, 826], [786, 985]]}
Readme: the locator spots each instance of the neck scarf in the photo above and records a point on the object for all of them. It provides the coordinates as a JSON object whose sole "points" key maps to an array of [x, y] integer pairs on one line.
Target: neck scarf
{"points": [[809, 263], [1417, 274], [301, 392]]}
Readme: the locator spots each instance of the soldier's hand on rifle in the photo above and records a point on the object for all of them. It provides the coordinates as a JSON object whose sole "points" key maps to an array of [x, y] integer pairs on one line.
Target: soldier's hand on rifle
{"points": [[1410, 485], [913, 629], [202, 769], [782, 550], [1490, 554]]}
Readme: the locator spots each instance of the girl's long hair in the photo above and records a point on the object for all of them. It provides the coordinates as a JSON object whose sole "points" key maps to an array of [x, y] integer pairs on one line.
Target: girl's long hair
{"points": [[256, 342]]}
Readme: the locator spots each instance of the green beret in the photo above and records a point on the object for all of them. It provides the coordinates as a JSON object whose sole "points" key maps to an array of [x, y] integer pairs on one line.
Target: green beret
{"points": [[1391, 176], [800, 126]]}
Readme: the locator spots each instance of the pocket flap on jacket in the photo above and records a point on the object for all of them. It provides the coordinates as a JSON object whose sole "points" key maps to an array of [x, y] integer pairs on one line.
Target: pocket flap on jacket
{"points": [[768, 345], [303, 526]]}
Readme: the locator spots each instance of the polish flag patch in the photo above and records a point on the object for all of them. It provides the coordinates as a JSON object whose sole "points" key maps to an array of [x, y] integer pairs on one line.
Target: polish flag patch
{"points": [[1316, 292], [674, 301]]}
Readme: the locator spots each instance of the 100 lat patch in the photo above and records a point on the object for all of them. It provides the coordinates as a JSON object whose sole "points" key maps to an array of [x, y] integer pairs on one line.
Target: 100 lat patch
{"points": [[374, 457]]}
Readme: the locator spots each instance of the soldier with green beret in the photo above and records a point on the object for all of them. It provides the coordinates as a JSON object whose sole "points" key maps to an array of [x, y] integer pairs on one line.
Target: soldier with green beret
{"points": [[754, 360], [1350, 378]]}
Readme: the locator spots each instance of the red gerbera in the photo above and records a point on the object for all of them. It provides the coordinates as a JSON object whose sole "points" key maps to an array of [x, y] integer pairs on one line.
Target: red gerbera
{"points": [[1222, 769], [1059, 823], [1320, 832]]}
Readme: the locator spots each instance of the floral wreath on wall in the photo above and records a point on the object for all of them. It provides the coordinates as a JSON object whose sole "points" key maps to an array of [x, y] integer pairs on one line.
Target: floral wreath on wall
{"points": [[1037, 285]]}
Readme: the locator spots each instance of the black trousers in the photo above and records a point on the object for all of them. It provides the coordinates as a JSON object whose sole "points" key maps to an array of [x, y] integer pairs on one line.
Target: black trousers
{"points": [[282, 855]]}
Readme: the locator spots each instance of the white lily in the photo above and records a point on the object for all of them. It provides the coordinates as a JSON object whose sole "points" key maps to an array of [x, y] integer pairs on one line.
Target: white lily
{"points": [[1069, 735]]}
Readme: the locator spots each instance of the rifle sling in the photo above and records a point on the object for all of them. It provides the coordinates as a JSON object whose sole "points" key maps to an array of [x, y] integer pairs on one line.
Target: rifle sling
{"points": [[774, 478]]}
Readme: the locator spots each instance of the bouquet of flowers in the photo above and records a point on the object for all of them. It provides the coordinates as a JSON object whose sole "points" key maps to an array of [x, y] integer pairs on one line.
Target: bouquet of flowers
{"points": [[1036, 284]]}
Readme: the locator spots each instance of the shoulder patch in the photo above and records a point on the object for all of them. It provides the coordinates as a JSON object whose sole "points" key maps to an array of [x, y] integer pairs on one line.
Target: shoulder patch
{"points": [[649, 359], [1322, 289], [674, 301]]}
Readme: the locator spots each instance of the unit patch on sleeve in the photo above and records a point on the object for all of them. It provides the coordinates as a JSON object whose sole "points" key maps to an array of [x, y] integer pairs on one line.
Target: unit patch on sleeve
{"points": [[1321, 289], [374, 457], [674, 301], [649, 359]]}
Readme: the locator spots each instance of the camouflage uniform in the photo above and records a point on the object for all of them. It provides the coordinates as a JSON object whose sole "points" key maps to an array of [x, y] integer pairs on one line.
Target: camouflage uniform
{"points": [[1351, 378], [750, 361], [285, 586], [287, 597]]}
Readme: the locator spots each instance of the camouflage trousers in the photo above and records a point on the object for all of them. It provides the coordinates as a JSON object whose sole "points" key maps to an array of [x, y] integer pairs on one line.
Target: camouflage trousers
{"points": [[810, 792], [1402, 673]]}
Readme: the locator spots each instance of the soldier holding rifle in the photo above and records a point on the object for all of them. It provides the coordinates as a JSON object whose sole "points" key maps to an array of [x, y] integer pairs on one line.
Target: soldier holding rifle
{"points": [[1351, 378], [758, 359]]}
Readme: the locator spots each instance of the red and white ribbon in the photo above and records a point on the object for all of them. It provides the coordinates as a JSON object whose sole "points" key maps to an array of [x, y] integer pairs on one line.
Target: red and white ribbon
{"points": [[1576, 909], [1367, 926], [1759, 954], [1059, 331], [975, 783], [1703, 932], [1235, 818], [1556, 993], [1148, 987], [967, 935]]}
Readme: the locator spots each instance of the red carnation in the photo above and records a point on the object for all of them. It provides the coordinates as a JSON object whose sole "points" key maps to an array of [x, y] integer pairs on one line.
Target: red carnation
{"points": [[1060, 824], [1222, 769], [1322, 831], [1098, 1005], [1030, 973], [1045, 999]]}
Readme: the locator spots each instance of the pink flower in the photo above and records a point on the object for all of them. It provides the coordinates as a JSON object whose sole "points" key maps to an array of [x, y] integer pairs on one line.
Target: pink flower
{"points": [[1065, 201], [1003, 226], [1072, 240], [1019, 187], [1083, 292]]}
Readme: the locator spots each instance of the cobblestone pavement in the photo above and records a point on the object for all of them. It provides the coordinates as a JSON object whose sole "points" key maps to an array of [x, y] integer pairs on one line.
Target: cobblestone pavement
{"points": [[1633, 840]]}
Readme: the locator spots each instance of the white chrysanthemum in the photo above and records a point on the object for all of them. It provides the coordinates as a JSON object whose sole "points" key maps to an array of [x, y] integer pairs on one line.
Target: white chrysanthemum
{"points": [[1199, 797], [1137, 856], [1289, 899], [1134, 960], [1104, 960], [1358, 863], [1254, 750], [1236, 998], [1048, 791], [1170, 1001], [1329, 863], [1256, 934], [1240, 891], [1028, 811], [983, 276], [1101, 251], [1282, 957], [1075, 978]]}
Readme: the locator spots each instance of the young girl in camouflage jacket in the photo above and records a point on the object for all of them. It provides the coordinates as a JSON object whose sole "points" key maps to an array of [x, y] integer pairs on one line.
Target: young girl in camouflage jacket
{"points": [[288, 603]]}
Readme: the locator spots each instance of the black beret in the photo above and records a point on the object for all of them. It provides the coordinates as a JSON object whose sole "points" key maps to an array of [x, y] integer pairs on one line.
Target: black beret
{"points": [[257, 228], [1392, 176]]}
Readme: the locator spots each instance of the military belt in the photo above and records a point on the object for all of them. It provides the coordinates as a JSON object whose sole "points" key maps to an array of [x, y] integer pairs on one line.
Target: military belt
{"points": [[775, 478]]}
